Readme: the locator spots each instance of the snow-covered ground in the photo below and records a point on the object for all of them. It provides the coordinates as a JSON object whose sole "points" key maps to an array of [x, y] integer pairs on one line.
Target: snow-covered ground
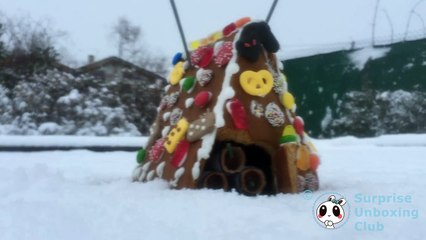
{"points": [[86, 195]]}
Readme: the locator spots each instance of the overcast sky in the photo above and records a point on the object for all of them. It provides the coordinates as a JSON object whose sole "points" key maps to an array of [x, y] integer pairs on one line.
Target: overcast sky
{"points": [[297, 24]]}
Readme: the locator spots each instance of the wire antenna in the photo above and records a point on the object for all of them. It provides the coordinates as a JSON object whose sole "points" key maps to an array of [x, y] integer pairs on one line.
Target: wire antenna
{"points": [[182, 35], [271, 10]]}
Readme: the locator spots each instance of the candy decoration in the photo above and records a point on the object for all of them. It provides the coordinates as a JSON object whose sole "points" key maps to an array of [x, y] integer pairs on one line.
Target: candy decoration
{"points": [[204, 76], [299, 125], [177, 134], [256, 109], [224, 54], [194, 45], [314, 161], [177, 58], [180, 154], [242, 21], [202, 56], [215, 36], [289, 135], [201, 127], [157, 150], [303, 158], [274, 115], [238, 113], [279, 83], [206, 58], [229, 29], [176, 74], [287, 100], [188, 84], [256, 83], [172, 99], [140, 156], [202, 99], [175, 116]]}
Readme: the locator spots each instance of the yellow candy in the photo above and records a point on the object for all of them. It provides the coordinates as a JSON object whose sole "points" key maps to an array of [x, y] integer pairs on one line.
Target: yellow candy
{"points": [[303, 158], [194, 45], [177, 134], [257, 83], [289, 130], [217, 35], [177, 73], [287, 100]]}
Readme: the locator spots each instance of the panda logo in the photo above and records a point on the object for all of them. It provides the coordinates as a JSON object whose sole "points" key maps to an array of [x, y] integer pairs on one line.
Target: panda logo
{"points": [[331, 211]]}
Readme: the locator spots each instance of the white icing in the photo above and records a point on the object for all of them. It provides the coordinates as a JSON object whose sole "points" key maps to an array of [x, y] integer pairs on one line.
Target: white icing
{"points": [[165, 131], [166, 116], [197, 127], [150, 175], [160, 169], [136, 173], [189, 102], [186, 65], [217, 46], [226, 93], [167, 87], [289, 116], [203, 120], [145, 168], [196, 170], [280, 65], [203, 128], [178, 174]]}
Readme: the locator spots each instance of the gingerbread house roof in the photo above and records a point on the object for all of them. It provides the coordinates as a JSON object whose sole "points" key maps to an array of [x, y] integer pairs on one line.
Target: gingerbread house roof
{"points": [[228, 121]]}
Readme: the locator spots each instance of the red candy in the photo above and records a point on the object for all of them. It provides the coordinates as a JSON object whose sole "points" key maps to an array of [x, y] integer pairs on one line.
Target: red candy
{"points": [[202, 56], [202, 99], [299, 125], [180, 154], [229, 29], [238, 113]]}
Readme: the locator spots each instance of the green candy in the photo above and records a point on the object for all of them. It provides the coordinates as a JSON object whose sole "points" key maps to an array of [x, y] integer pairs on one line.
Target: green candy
{"points": [[188, 84], [140, 157], [288, 139]]}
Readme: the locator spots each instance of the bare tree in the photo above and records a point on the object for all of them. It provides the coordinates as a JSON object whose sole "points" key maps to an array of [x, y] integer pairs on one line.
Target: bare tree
{"points": [[128, 37]]}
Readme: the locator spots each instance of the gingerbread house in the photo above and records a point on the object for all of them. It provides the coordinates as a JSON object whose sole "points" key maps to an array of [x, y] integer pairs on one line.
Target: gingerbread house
{"points": [[227, 120]]}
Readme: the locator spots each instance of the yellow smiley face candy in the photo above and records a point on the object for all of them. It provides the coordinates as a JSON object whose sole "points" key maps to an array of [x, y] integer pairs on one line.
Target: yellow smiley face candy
{"points": [[177, 73], [257, 83], [177, 134]]}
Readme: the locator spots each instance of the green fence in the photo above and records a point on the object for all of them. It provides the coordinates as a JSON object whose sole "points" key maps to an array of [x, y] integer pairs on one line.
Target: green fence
{"points": [[321, 82]]}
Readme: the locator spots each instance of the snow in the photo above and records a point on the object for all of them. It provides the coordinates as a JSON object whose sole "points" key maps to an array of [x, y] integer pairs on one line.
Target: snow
{"points": [[359, 58], [86, 195], [69, 141]]}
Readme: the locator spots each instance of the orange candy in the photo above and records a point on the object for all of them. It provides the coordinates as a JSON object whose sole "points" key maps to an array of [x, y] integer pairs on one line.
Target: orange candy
{"points": [[315, 161], [242, 21]]}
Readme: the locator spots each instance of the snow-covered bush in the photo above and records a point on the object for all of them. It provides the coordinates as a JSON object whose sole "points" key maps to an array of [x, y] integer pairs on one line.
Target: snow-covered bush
{"points": [[372, 113], [60, 103]]}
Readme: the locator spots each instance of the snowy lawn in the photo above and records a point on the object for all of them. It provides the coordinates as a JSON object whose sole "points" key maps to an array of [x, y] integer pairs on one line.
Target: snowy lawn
{"points": [[80, 195]]}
